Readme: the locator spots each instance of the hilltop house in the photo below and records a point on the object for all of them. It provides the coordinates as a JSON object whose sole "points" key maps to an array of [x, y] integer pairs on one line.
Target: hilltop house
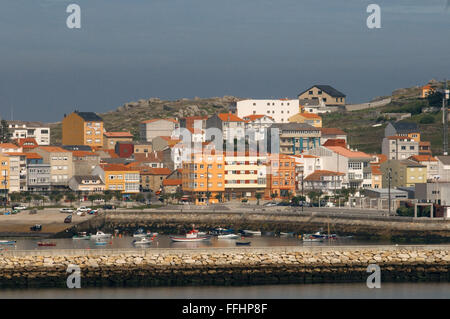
{"points": [[325, 94]]}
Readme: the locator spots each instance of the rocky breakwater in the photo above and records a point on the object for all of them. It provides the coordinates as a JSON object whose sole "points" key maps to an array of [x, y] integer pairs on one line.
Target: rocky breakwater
{"points": [[240, 266]]}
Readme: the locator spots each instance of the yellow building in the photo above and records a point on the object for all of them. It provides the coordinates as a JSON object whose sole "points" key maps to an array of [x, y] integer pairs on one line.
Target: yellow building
{"points": [[118, 177], [308, 118], [203, 175], [4, 174], [404, 173], [82, 128]]}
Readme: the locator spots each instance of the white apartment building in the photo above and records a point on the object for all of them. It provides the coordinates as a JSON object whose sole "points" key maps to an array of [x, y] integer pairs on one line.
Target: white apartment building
{"points": [[280, 110], [36, 130], [444, 168], [245, 174], [14, 173], [258, 125]]}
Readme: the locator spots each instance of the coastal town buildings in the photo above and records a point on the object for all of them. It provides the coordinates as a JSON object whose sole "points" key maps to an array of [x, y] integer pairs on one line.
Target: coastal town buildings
{"points": [[404, 173], [86, 184], [61, 164], [111, 138], [399, 147], [294, 138], [25, 129], [280, 110], [307, 118], [82, 128], [150, 129], [119, 177], [325, 94]]}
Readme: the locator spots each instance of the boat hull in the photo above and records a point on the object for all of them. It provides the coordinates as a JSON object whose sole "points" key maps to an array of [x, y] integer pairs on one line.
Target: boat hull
{"points": [[184, 239]]}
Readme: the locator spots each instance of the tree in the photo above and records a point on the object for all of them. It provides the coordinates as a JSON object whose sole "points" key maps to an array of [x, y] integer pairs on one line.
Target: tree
{"points": [[178, 196], [5, 134], [435, 99], [107, 196], [427, 119], [70, 197], [273, 196], [208, 196], [315, 196], [258, 197]]}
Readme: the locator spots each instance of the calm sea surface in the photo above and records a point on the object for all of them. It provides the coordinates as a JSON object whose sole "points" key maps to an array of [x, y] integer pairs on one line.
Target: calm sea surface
{"points": [[305, 291]]}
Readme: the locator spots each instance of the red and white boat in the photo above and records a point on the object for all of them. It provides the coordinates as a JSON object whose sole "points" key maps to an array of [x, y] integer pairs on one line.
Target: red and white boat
{"points": [[190, 236]]}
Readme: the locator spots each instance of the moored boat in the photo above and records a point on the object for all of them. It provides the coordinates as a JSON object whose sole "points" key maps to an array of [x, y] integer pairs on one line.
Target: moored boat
{"points": [[100, 235], [142, 241], [243, 242], [288, 234], [252, 232], [7, 242], [228, 236], [44, 244], [191, 236], [82, 235]]}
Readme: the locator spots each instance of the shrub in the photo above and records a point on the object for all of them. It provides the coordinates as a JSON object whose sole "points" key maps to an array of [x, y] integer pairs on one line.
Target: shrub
{"points": [[427, 119]]}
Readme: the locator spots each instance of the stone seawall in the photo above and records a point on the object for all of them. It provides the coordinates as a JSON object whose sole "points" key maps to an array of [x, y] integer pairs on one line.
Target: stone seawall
{"points": [[224, 266]]}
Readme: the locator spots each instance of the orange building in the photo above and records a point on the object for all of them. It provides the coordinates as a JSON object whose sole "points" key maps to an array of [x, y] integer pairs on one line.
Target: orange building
{"points": [[280, 176], [111, 138], [4, 174], [82, 128], [119, 177], [427, 90], [203, 175]]}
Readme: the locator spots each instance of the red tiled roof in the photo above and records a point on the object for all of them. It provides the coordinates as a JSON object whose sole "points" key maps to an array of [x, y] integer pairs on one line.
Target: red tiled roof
{"points": [[171, 182], [253, 117], [376, 170], [118, 134], [83, 153], [348, 153], [117, 167], [228, 117], [156, 171], [310, 115], [8, 145], [423, 158], [316, 175], [25, 142], [335, 142]]}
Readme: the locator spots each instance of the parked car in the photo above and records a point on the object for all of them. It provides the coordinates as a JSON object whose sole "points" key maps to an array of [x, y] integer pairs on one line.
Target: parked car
{"points": [[68, 219], [108, 207], [37, 227], [93, 212], [283, 204], [83, 209], [66, 210], [19, 207]]}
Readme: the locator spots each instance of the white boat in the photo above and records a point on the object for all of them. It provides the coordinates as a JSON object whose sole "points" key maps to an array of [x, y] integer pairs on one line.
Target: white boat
{"points": [[228, 236], [190, 237], [82, 235], [100, 235], [252, 232], [143, 241], [7, 242]]}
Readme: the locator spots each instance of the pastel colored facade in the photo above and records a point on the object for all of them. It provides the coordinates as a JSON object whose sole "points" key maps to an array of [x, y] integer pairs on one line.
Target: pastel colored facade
{"points": [[157, 127], [142, 147], [203, 176], [307, 118], [38, 175], [281, 176], [87, 184], [160, 143], [245, 174], [4, 173], [280, 110], [14, 172], [294, 138], [171, 186], [191, 122], [60, 161], [431, 163], [325, 94], [82, 128], [425, 148], [111, 138], [404, 173], [37, 130], [399, 147], [118, 177], [377, 177], [10, 148]]}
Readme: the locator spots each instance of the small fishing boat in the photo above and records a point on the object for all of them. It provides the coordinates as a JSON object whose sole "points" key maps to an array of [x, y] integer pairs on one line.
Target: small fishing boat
{"points": [[191, 236], [288, 234], [100, 235], [143, 241], [220, 231], [7, 242], [82, 235], [252, 232], [43, 244], [243, 243], [228, 236], [311, 238], [101, 243]]}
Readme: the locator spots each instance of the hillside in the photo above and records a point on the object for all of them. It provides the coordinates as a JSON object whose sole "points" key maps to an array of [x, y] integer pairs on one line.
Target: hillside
{"points": [[128, 116], [358, 124]]}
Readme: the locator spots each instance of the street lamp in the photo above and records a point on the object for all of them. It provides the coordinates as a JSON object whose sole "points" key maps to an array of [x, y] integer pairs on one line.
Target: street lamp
{"points": [[389, 189]]}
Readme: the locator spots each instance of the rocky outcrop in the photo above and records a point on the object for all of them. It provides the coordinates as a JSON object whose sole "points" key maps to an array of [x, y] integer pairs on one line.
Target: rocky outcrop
{"points": [[225, 266]]}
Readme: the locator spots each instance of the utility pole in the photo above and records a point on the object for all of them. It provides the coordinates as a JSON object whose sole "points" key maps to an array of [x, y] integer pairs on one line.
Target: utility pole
{"points": [[445, 97], [303, 197], [389, 189], [6, 191]]}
